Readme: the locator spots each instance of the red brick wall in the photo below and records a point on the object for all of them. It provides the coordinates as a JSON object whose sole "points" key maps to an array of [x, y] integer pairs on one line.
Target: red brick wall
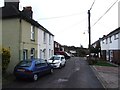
{"points": [[116, 56]]}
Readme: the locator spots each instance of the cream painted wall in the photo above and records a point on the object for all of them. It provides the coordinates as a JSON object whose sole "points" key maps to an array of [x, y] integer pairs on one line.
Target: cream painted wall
{"points": [[26, 42], [0, 53], [10, 39]]}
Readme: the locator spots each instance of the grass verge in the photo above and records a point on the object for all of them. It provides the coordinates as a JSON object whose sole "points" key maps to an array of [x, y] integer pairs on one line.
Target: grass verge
{"points": [[103, 63]]}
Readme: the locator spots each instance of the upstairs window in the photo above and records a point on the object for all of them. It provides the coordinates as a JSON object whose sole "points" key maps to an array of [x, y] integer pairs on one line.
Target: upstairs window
{"points": [[110, 39], [49, 39], [44, 37], [33, 33], [103, 41], [106, 40], [116, 36]]}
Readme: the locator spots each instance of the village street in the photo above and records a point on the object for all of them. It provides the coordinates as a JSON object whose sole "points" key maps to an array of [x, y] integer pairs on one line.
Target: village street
{"points": [[76, 74]]}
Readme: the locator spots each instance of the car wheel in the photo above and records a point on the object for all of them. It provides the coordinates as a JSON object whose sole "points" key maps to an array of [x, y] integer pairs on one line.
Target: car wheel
{"points": [[35, 77], [64, 65], [51, 70], [60, 66]]}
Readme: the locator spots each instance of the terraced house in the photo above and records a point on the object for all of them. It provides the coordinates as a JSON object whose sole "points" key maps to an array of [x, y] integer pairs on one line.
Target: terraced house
{"points": [[23, 35], [110, 46]]}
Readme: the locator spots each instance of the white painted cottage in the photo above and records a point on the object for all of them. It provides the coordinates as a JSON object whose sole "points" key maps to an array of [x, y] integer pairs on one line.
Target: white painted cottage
{"points": [[45, 43]]}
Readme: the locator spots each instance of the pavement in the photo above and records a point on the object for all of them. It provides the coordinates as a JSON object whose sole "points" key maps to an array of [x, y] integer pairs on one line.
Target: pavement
{"points": [[108, 76]]}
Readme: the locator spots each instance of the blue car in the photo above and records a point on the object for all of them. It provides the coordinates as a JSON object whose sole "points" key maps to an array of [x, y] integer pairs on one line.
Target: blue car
{"points": [[32, 69]]}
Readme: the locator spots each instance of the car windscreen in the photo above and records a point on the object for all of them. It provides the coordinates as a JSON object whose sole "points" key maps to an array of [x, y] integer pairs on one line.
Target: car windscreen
{"points": [[25, 63], [55, 58]]}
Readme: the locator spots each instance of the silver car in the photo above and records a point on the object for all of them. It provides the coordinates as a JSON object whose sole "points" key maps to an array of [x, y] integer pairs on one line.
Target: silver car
{"points": [[57, 61]]}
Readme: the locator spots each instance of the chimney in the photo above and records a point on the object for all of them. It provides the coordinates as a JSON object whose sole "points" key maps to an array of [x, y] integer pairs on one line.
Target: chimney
{"points": [[14, 3], [28, 11]]}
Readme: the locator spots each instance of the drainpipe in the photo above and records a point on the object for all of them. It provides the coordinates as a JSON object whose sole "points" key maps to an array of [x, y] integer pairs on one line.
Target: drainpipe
{"points": [[20, 33]]}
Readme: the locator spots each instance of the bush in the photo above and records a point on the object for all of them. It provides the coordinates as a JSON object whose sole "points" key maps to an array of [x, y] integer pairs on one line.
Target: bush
{"points": [[5, 59], [92, 61]]}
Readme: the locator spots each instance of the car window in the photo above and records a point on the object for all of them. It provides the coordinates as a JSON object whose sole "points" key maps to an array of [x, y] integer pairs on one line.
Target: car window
{"points": [[25, 63], [55, 58], [37, 63], [43, 64], [52, 58], [62, 58], [40, 63]]}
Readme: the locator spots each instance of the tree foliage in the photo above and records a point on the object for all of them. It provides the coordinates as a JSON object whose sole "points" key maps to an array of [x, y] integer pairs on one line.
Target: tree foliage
{"points": [[5, 59]]}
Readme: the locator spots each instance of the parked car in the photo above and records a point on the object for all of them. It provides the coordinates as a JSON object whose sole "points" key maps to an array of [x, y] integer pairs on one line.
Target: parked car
{"points": [[32, 69], [57, 61], [66, 55]]}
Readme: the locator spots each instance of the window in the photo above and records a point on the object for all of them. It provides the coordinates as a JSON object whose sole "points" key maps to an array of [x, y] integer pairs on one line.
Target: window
{"points": [[32, 33], [37, 63], [62, 58], [40, 53], [103, 41], [116, 36], [32, 53], [25, 54], [110, 38], [106, 40], [49, 52], [44, 53], [49, 39], [44, 37]]}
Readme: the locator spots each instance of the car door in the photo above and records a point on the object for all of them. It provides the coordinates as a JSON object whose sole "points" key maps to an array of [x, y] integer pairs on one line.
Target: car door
{"points": [[44, 66], [38, 67], [63, 60]]}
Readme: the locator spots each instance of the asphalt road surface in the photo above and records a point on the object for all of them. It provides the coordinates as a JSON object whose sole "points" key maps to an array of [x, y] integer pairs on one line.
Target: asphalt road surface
{"points": [[76, 74]]}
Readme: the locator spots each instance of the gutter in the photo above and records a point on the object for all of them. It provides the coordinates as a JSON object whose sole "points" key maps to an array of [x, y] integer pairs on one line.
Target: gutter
{"points": [[20, 33]]}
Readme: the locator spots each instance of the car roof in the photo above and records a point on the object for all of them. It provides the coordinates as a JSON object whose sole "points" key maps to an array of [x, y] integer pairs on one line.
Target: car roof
{"points": [[59, 55], [35, 59]]}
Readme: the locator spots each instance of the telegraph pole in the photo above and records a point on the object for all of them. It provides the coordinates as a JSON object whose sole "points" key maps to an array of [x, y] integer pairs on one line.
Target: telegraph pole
{"points": [[89, 31]]}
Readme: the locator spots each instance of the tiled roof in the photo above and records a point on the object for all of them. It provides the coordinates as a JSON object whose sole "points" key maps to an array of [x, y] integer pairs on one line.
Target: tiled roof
{"points": [[111, 33], [13, 12]]}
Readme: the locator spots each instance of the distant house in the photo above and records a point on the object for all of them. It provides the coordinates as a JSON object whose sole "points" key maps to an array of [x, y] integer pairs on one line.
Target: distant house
{"points": [[58, 46], [96, 49], [23, 35], [110, 46]]}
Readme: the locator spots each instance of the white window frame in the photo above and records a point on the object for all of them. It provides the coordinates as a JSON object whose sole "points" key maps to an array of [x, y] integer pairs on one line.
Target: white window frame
{"points": [[32, 33]]}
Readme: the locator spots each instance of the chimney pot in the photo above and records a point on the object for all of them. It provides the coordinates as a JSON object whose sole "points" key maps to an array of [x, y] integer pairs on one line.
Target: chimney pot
{"points": [[28, 11], [12, 3]]}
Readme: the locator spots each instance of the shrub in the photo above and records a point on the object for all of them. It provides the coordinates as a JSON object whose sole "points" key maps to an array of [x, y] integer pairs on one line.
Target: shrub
{"points": [[5, 59], [92, 61]]}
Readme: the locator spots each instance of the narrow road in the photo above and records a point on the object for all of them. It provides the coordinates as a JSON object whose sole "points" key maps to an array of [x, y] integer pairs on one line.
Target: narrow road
{"points": [[76, 74]]}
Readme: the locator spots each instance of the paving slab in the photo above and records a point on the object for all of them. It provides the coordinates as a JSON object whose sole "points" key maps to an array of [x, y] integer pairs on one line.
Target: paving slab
{"points": [[108, 76]]}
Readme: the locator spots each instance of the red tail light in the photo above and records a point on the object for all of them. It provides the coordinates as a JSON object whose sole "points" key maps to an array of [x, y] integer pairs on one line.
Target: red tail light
{"points": [[28, 72]]}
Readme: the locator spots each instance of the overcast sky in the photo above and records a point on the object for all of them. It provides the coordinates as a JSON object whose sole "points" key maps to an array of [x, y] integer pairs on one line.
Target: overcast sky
{"points": [[68, 19]]}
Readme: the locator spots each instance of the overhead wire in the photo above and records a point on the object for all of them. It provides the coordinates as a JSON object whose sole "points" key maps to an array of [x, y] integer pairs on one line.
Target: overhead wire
{"points": [[105, 13], [92, 4], [64, 16]]}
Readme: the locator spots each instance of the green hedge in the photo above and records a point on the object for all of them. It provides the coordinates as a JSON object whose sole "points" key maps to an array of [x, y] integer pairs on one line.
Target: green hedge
{"points": [[5, 59]]}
